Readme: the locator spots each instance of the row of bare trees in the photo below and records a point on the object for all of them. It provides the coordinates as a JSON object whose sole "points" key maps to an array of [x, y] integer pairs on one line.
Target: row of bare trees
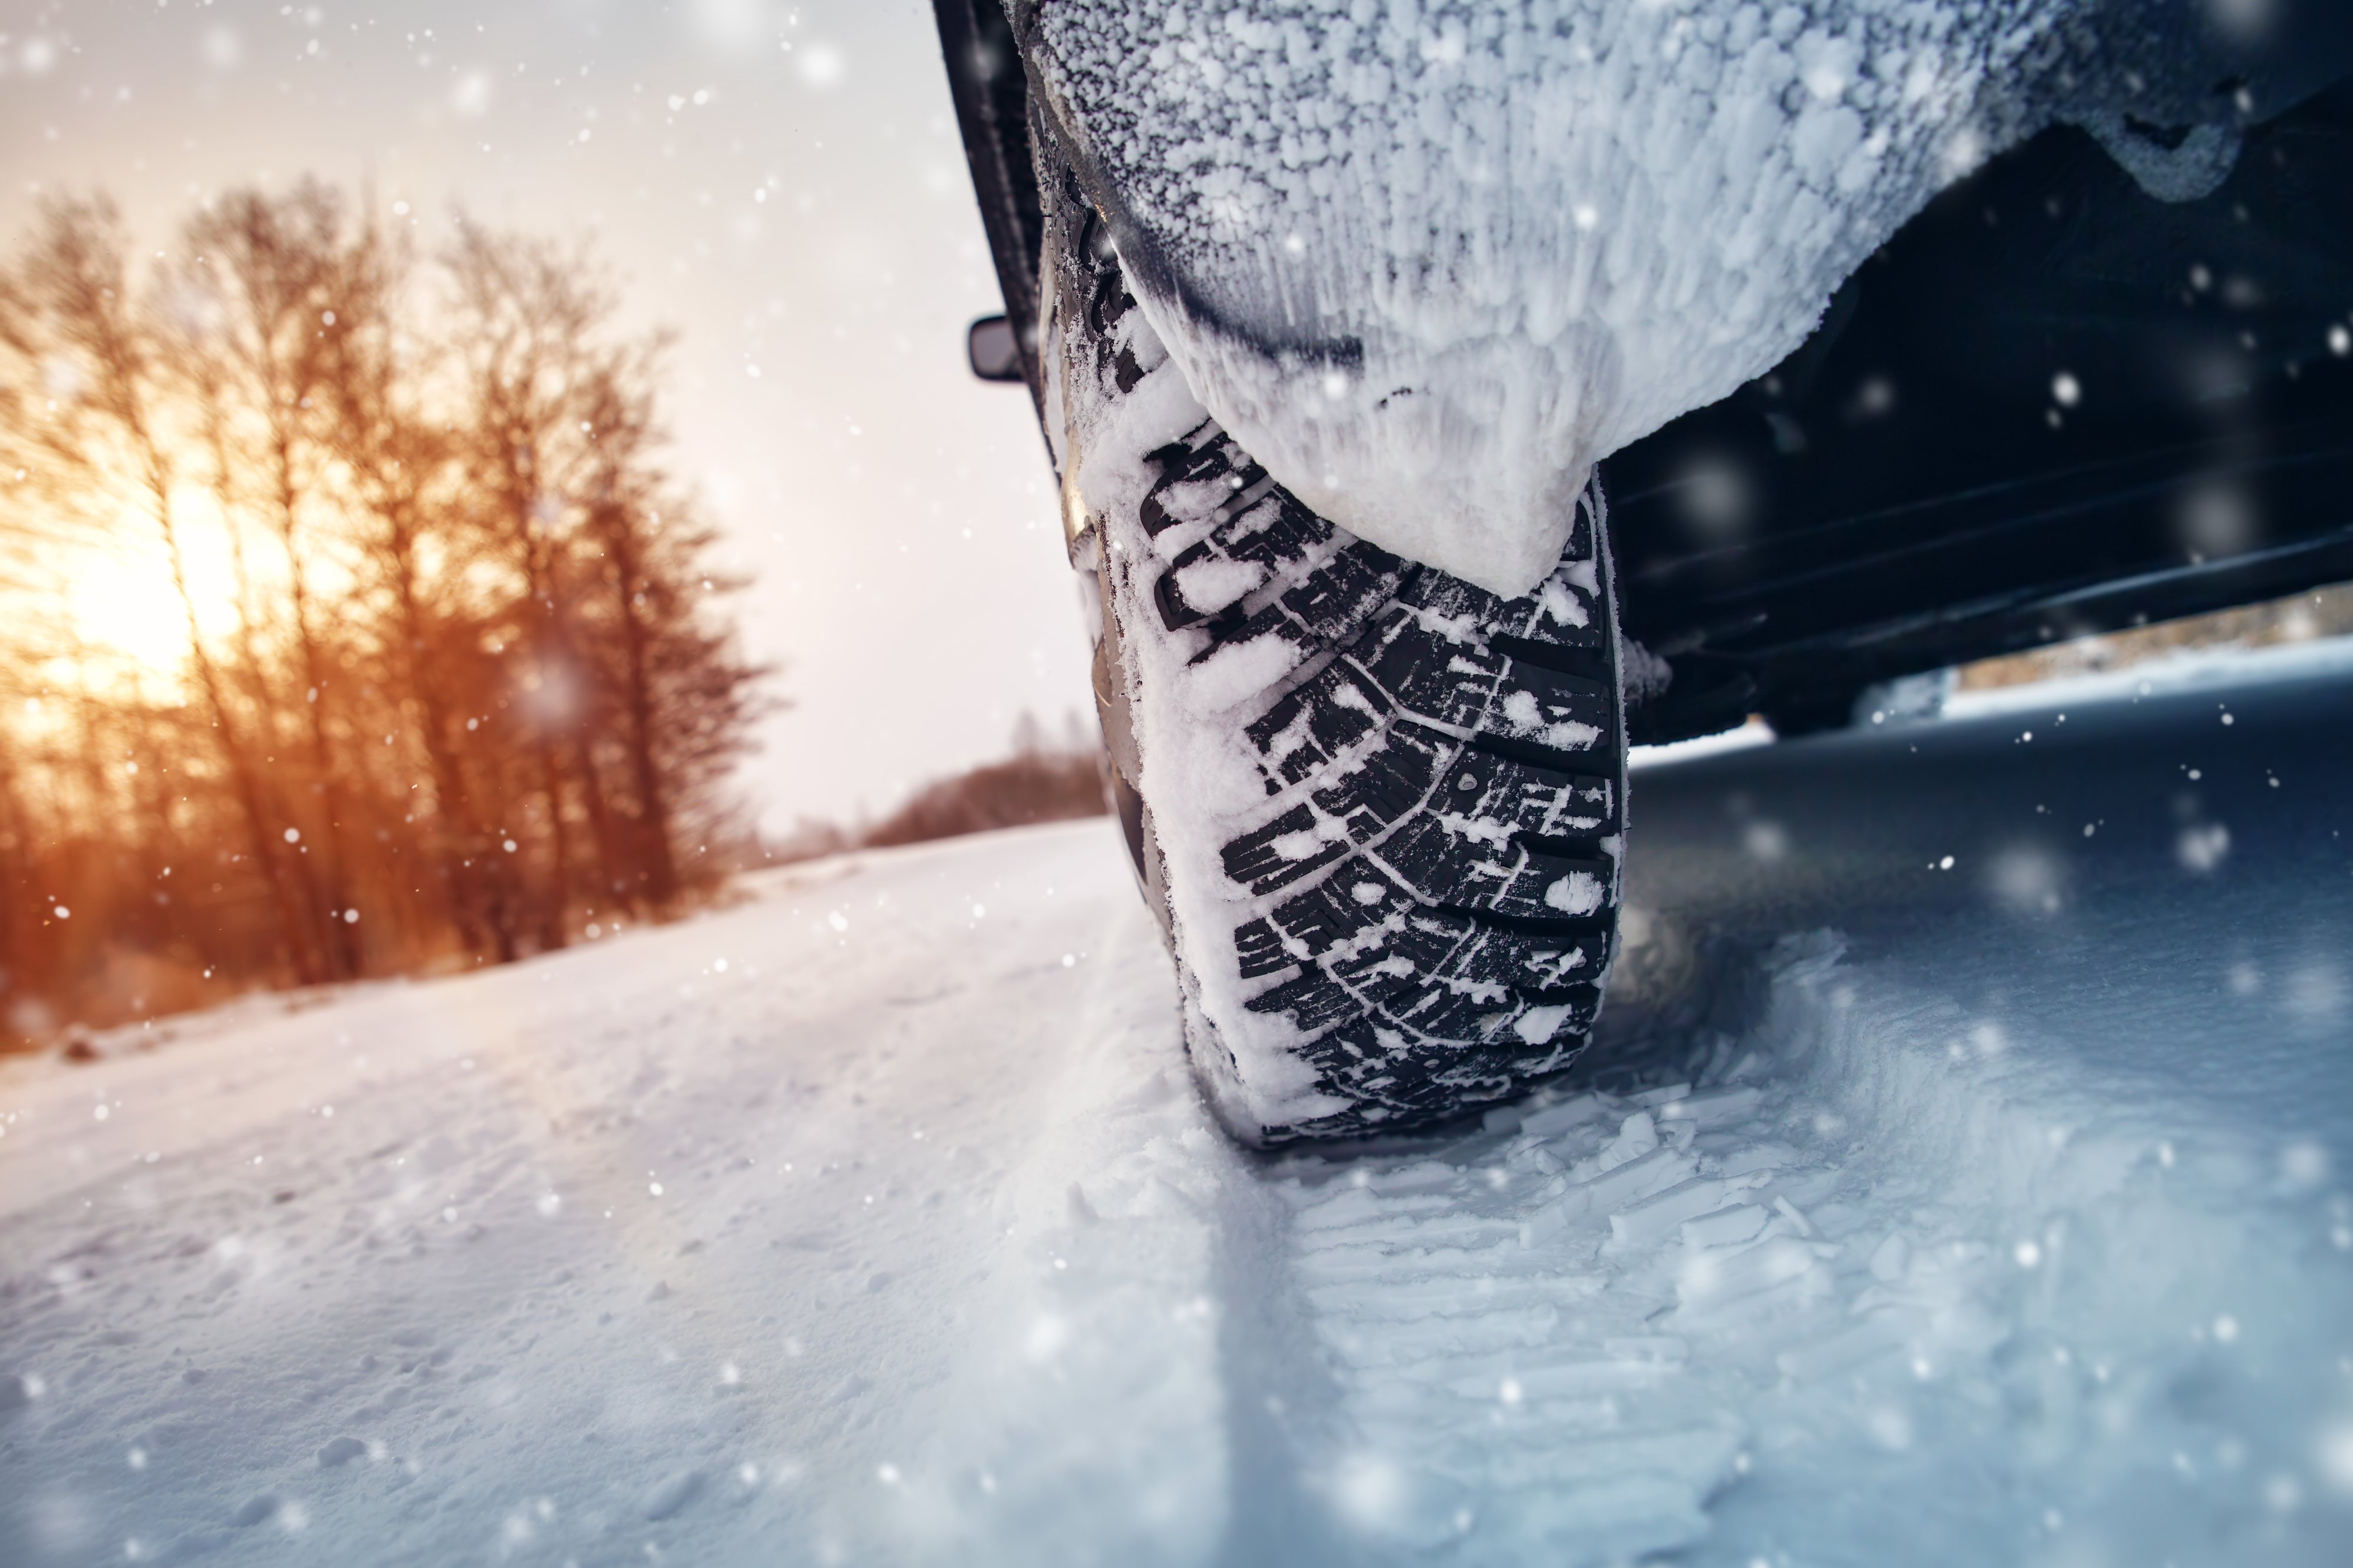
{"points": [[470, 698]]}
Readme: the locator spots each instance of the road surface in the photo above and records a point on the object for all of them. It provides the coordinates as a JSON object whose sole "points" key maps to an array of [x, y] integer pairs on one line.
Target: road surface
{"points": [[1962, 1180]]}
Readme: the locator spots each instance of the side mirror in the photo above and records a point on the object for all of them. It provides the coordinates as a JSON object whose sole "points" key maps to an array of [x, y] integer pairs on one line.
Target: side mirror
{"points": [[995, 354]]}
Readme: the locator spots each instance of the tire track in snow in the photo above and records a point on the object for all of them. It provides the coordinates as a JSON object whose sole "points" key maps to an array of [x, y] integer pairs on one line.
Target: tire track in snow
{"points": [[1493, 1315], [1808, 1259]]}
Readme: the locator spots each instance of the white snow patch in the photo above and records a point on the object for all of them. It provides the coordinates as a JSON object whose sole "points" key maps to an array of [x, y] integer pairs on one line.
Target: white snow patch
{"points": [[1752, 732], [1579, 893], [2195, 669], [1211, 586]]}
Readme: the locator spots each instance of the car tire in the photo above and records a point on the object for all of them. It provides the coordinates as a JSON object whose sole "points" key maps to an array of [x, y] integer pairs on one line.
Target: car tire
{"points": [[1377, 810]]}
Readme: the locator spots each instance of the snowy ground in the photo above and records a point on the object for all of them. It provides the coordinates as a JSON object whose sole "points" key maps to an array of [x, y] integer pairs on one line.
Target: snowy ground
{"points": [[1988, 1212]]}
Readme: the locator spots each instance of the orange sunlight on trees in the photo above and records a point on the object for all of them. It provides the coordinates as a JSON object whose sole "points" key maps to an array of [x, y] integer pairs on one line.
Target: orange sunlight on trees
{"points": [[349, 621]]}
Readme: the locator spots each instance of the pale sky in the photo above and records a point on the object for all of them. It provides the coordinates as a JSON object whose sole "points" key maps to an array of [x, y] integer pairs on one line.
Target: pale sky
{"points": [[802, 217]]}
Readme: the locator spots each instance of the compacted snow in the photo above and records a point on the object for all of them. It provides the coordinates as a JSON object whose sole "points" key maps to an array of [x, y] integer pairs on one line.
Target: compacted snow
{"points": [[1915, 1210]]}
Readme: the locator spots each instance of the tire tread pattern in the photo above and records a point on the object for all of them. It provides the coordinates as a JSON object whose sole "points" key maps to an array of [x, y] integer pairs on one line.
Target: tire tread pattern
{"points": [[1441, 765]]}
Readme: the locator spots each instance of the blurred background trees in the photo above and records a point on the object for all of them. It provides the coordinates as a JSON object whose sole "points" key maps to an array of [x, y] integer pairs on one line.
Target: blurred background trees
{"points": [[350, 623], [1045, 779]]}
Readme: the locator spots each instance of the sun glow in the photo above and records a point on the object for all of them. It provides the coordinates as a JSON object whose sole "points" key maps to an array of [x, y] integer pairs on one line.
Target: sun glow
{"points": [[124, 602]]}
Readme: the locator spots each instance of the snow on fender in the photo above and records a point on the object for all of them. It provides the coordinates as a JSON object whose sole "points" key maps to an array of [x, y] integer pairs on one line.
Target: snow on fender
{"points": [[1429, 269]]}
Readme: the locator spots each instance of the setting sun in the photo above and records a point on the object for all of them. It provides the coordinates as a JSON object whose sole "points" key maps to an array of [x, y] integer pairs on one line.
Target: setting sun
{"points": [[240, 546], [123, 597]]}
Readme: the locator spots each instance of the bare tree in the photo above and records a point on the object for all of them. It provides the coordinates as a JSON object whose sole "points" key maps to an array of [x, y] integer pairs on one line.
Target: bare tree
{"points": [[103, 437], [273, 263], [476, 684]]}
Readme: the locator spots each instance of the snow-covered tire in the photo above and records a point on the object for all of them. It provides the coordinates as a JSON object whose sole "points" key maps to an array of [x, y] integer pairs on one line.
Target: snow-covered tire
{"points": [[1377, 809]]}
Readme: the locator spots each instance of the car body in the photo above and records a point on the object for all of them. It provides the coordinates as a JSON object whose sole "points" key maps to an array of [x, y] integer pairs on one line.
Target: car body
{"points": [[2051, 404]]}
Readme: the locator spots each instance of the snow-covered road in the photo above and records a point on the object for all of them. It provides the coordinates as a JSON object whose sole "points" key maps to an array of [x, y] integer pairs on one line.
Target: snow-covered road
{"points": [[1988, 1212]]}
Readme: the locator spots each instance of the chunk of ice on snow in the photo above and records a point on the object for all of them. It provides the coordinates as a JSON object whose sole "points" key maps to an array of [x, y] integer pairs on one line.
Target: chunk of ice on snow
{"points": [[1653, 1216], [1715, 1279], [1637, 1136], [1560, 1117], [672, 1493], [1725, 1228], [1638, 1178], [340, 1451]]}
